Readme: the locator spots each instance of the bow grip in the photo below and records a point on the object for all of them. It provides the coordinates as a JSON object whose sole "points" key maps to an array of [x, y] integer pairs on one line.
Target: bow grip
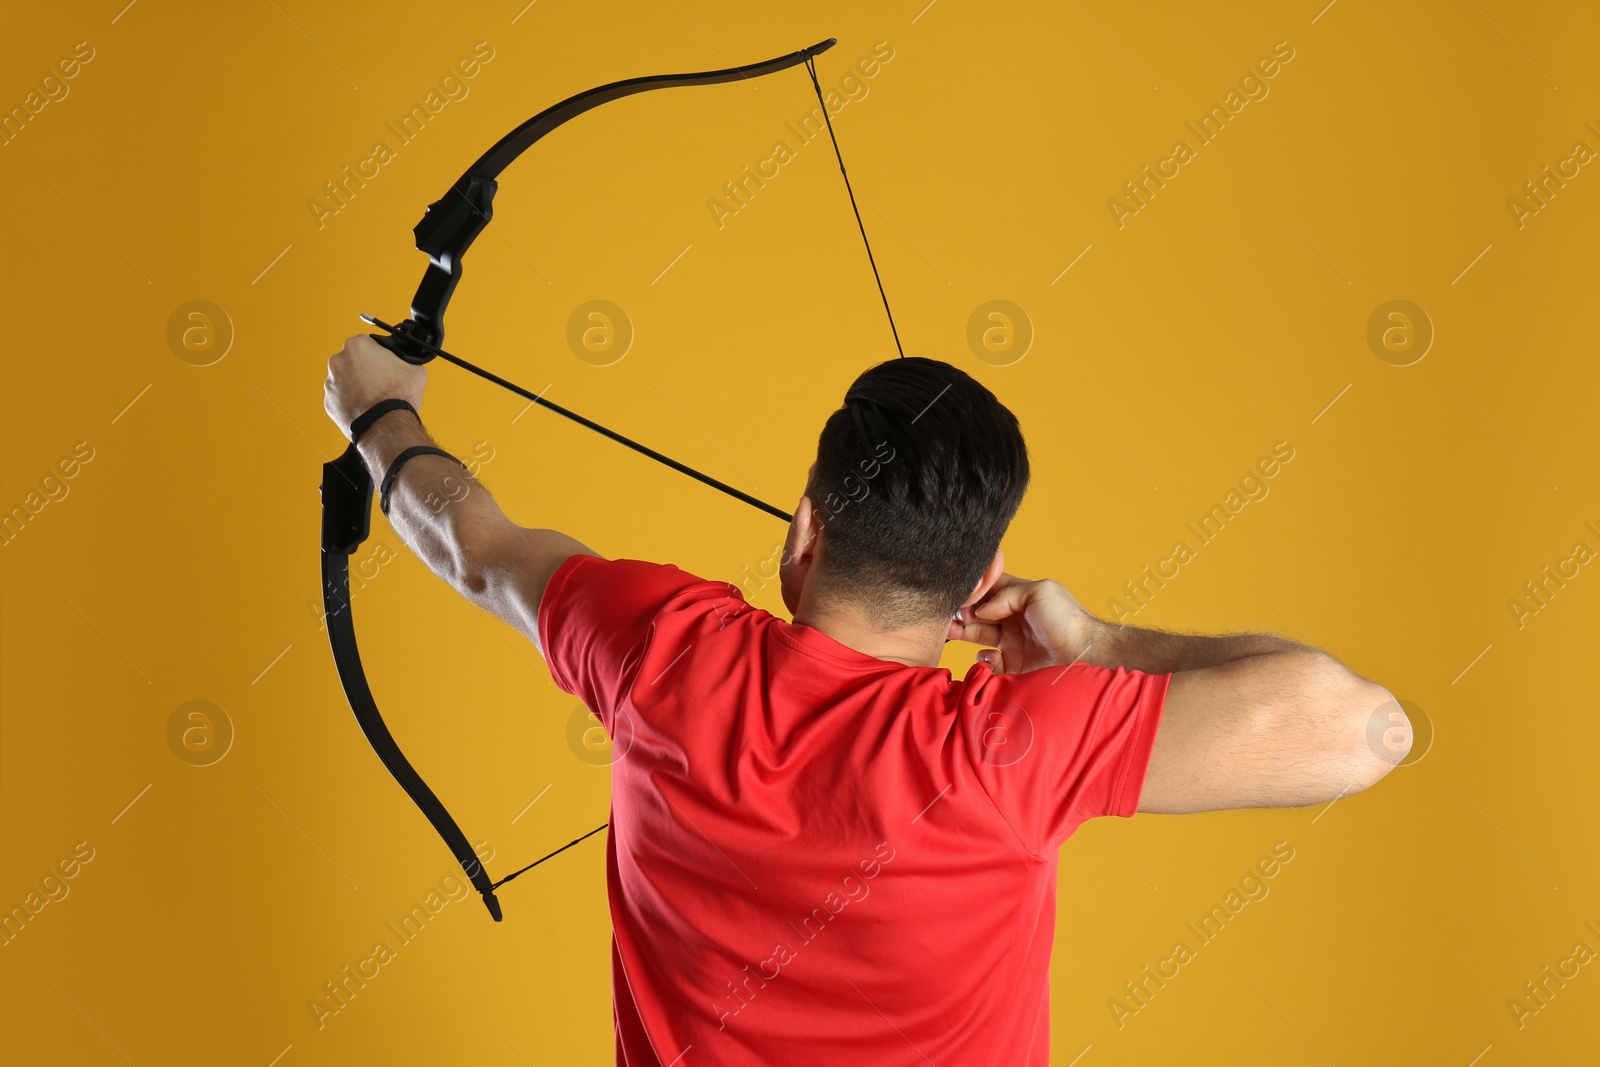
{"points": [[398, 344]]}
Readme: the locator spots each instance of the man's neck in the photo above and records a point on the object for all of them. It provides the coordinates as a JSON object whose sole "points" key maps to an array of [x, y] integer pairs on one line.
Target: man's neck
{"points": [[914, 647]]}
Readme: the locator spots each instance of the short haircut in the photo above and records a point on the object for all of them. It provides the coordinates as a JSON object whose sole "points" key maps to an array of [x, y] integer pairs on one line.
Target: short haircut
{"points": [[918, 476]]}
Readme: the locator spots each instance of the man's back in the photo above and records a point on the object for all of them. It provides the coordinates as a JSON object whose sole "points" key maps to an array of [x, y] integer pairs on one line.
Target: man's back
{"points": [[823, 780], [816, 853]]}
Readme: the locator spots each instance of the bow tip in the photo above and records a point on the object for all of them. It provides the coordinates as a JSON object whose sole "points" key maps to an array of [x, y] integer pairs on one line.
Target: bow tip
{"points": [[821, 46]]}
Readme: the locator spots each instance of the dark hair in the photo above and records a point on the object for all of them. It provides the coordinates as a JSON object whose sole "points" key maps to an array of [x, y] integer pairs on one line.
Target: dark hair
{"points": [[917, 477]]}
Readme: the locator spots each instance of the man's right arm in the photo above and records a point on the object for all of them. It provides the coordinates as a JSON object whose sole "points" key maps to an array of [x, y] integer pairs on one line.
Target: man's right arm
{"points": [[1249, 721], [1158, 652], [1256, 721]]}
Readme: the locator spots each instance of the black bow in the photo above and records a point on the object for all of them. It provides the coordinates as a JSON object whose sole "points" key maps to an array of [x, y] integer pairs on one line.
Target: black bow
{"points": [[445, 233]]}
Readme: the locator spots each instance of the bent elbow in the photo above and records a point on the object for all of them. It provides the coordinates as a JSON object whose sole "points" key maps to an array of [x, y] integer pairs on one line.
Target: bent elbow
{"points": [[1383, 735]]}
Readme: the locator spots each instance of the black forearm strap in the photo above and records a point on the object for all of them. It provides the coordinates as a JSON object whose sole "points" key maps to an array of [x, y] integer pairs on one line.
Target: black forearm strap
{"points": [[363, 422], [400, 461]]}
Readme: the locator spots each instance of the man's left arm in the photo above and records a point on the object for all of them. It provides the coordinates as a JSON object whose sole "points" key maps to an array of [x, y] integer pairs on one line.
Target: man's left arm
{"points": [[440, 511]]}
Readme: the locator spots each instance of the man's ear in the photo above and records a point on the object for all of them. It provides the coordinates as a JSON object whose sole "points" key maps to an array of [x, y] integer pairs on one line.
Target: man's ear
{"points": [[991, 574], [800, 551], [801, 548]]}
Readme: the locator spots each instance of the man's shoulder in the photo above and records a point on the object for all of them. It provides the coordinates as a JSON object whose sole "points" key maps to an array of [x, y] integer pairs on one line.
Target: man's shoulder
{"points": [[641, 580]]}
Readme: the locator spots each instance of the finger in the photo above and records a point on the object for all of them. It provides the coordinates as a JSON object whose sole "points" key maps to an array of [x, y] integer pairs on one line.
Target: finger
{"points": [[1005, 581], [994, 659], [1005, 600], [978, 633]]}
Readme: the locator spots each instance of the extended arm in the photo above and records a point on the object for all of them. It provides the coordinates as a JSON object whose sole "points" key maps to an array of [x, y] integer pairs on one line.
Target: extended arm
{"points": [[1250, 720], [439, 510], [1162, 652]]}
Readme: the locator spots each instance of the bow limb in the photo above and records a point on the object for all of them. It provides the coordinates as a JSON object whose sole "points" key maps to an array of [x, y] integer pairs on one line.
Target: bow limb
{"points": [[346, 521], [454, 221]]}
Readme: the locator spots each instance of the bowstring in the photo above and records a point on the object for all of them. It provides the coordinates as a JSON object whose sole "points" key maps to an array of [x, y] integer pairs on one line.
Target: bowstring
{"points": [[811, 69], [541, 859]]}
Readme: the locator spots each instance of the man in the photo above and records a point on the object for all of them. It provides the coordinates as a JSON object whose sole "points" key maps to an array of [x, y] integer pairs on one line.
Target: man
{"points": [[823, 847]]}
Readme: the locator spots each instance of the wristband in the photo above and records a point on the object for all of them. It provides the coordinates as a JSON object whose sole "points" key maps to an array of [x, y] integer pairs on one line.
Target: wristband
{"points": [[363, 422], [400, 461]]}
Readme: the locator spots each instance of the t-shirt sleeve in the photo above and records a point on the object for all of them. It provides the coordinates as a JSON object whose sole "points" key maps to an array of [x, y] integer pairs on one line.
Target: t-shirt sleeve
{"points": [[596, 620], [1056, 747]]}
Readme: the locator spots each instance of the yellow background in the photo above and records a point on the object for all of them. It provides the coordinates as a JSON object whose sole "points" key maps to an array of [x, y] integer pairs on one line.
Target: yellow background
{"points": [[1224, 317]]}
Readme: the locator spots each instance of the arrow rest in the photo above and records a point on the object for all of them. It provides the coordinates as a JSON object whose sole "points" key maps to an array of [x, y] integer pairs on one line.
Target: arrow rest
{"points": [[400, 343]]}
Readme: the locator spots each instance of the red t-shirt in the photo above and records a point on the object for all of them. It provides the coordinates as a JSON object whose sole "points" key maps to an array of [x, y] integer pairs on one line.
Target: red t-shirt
{"points": [[817, 856]]}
